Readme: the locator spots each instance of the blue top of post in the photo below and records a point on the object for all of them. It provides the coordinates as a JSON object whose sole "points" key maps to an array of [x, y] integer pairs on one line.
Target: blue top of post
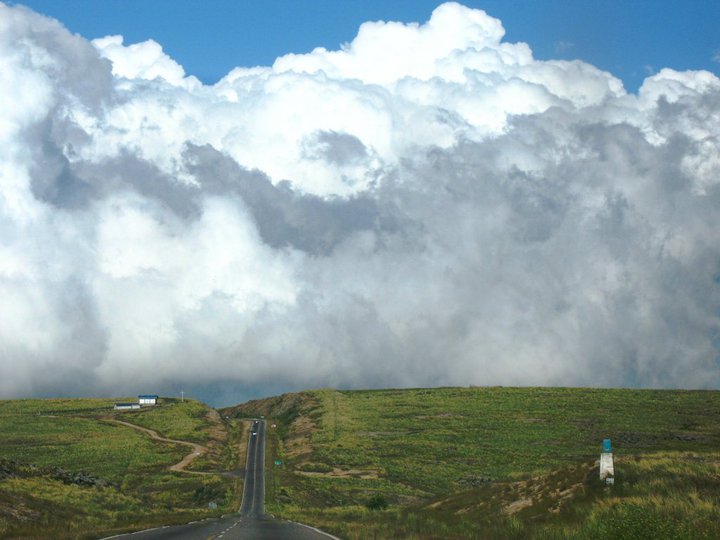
{"points": [[607, 447]]}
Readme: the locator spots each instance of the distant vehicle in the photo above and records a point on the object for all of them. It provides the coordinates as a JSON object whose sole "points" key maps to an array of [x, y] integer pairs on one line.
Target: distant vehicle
{"points": [[254, 433]]}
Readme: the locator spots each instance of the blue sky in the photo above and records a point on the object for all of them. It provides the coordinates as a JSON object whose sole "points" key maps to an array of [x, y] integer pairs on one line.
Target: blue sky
{"points": [[631, 39]]}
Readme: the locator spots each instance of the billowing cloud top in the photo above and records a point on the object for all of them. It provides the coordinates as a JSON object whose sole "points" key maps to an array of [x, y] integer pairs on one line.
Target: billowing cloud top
{"points": [[427, 205]]}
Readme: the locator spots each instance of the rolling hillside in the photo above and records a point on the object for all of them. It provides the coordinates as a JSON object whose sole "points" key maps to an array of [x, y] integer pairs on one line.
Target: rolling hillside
{"points": [[68, 469], [495, 462]]}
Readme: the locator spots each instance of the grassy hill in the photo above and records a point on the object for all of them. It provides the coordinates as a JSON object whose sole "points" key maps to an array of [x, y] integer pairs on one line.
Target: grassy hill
{"points": [[68, 471], [495, 462]]}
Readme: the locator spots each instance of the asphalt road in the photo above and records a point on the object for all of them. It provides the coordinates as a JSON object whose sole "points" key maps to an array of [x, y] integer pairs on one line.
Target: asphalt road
{"points": [[251, 522]]}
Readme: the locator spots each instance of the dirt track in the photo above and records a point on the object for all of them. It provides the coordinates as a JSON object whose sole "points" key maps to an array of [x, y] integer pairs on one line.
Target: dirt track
{"points": [[197, 449]]}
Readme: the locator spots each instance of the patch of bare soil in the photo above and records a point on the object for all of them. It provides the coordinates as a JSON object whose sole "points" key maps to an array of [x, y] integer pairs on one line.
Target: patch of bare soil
{"points": [[537, 497], [343, 473], [548, 493], [297, 443], [515, 506], [218, 436], [216, 428]]}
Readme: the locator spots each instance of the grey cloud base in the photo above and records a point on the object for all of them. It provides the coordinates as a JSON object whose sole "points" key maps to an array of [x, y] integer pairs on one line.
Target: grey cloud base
{"points": [[143, 243]]}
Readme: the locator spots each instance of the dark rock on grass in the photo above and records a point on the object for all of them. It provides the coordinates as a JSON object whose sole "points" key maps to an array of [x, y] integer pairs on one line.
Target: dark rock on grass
{"points": [[12, 468], [77, 478], [9, 468], [473, 480]]}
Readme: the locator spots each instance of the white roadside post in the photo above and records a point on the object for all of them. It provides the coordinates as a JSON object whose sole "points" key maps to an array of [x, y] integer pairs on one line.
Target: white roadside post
{"points": [[607, 470]]}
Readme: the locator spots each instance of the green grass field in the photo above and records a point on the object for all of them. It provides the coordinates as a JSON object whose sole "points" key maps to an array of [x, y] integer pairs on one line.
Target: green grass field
{"points": [[66, 472], [496, 462]]}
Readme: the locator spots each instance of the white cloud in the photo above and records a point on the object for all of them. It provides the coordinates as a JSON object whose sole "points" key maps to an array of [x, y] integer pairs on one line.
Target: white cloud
{"points": [[385, 52], [144, 60], [427, 205]]}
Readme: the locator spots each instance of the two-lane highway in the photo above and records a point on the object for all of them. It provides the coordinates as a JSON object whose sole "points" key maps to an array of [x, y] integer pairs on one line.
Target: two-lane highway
{"points": [[251, 522], [253, 503]]}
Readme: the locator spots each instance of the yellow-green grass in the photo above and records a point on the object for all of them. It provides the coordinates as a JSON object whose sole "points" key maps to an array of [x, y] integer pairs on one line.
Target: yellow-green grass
{"points": [[184, 420], [439, 456], [130, 485]]}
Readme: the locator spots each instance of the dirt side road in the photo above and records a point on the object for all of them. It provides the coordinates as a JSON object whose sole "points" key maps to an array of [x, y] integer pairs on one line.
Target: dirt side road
{"points": [[197, 449]]}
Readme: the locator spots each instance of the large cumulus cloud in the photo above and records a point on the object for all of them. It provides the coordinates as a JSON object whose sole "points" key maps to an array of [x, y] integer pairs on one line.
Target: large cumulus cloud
{"points": [[427, 205]]}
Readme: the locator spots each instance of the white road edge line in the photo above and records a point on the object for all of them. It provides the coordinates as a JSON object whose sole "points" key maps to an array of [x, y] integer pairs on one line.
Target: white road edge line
{"points": [[316, 530], [136, 532]]}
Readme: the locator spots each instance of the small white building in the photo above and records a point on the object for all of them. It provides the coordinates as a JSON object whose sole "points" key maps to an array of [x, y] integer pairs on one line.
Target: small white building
{"points": [[148, 400], [126, 406]]}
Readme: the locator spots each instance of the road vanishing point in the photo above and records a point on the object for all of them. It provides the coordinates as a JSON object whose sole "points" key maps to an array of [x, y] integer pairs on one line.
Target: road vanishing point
{"points": [[251, 522]]}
